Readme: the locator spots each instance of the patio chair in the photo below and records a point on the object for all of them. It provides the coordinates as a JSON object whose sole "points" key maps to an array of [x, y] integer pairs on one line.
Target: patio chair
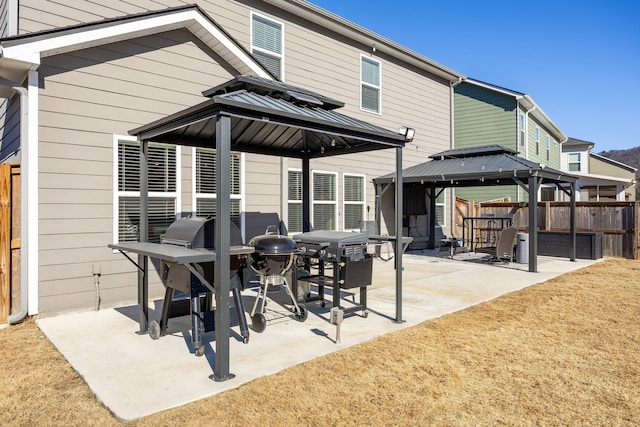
{"points": [[504, 246], [371, 228]]}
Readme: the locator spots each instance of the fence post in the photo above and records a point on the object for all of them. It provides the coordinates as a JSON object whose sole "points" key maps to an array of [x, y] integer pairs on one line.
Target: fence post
{"points": [[636, 229]]}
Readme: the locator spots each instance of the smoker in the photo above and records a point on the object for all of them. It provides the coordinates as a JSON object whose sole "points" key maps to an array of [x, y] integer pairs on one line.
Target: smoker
{"points": [[273, 256], [346, 253], [198, 233]]}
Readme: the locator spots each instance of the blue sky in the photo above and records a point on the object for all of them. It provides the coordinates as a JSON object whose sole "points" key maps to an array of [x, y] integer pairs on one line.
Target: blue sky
{"points": [[578, 60]]}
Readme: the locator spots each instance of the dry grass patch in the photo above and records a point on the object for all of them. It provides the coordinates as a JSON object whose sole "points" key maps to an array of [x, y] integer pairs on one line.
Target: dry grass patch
{"points": [[563, 352]]}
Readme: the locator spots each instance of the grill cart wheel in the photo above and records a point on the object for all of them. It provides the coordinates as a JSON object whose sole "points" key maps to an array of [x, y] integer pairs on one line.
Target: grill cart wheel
{"points": [[302, 313], [259, 322], [154, 330], [200, 351]]}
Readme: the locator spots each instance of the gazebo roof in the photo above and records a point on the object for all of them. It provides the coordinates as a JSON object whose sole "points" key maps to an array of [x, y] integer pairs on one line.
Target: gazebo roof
{"points": [[477, 166]]}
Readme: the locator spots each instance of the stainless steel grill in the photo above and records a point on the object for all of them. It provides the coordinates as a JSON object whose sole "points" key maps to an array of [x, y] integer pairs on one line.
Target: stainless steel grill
{"points": [[198, 233], [346, 252]]}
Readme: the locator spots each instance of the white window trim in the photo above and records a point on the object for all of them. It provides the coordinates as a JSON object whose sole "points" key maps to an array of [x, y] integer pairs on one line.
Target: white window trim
{"points": [[379, 87], [117, 194], [325, 202], [345, 202], [259, 49], [195, 196]]}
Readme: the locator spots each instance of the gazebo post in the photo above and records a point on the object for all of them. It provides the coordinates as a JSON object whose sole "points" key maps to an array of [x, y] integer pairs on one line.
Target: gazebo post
{"points": [[398, 248], [143, 236], [306, 195], [533, 224], [572, 222], [222, 316]]}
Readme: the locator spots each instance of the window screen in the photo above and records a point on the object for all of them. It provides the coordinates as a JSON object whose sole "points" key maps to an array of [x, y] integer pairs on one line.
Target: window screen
{"points": [[266, 43], [294, 221], [353, 201], [162, 186], [370, 85], [324, 201]]}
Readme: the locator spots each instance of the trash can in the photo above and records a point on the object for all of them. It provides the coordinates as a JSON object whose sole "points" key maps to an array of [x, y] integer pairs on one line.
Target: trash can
{"points": [[522, 248]]}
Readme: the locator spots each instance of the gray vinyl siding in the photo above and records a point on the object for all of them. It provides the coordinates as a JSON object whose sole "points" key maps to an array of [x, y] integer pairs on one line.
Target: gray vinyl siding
{"points": [[483, 116], [85, 98], [90, 95], [10, 129]]}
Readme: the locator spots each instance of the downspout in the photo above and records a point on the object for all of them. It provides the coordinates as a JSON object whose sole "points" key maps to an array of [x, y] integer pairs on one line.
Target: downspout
{"points": [[526, 137], [24, 130]]}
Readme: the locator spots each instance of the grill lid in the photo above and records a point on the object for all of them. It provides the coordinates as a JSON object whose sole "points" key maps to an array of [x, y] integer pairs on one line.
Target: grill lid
{"points": [[273, 244], [198, 232], [332, 238]]}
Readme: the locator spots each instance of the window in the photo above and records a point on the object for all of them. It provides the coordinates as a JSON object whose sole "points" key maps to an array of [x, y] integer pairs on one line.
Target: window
{"points": [[440, 211], [548, 148], [324, 201], [206, 186], [369, 85], [523, 135], [574, 162], [294, 221], [267, 44], [353, 201], [537, 140], [162, 184]]}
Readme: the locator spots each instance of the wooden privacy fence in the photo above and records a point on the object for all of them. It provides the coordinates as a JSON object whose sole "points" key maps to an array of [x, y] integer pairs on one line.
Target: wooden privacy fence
{"points": [[618, 221], [9, 239]]}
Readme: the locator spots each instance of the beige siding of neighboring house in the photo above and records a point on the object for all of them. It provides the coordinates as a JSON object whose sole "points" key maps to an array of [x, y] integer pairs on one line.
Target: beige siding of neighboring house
{"points": [[600, 167], [88, 96], [584, 160]]}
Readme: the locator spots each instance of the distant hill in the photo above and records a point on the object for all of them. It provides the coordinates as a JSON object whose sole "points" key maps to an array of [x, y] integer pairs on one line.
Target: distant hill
{"points": [[629, 157]]}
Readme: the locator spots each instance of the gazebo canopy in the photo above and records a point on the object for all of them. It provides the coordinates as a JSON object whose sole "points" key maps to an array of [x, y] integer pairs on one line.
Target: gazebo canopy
{"points": [[484, 166], [478, 166], [257, 115], [274, 118]]}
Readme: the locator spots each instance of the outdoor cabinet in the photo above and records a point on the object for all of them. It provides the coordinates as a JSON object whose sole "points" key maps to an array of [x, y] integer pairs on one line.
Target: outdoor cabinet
{"points": [[557, 243]]}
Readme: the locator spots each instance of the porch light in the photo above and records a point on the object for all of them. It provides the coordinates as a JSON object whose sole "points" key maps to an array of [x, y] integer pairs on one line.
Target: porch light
{"points": [[407, 132]]}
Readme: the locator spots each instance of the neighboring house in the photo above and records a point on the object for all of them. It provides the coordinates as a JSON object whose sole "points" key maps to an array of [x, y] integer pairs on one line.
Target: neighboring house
{"points": [[486, 114], [601, 178], [76, 76]]}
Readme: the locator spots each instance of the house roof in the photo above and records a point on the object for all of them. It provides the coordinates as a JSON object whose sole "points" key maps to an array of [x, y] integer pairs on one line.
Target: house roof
{"points": [[19, 54], [477, 166], [528, 104], [275, 119], [574, 142]]}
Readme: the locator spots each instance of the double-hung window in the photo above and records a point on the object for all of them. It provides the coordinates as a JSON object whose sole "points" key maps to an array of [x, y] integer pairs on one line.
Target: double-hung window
{"points": [[206, 186], [537, 140], [548, 147], [294, 216], [522, 130], [440, 209], [162, 186], [370, 84], [324, 201], [354, 197], [574, 162], [267, 44]]}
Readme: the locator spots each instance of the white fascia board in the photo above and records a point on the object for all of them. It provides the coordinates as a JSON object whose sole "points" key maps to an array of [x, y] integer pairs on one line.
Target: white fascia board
{"points": [[545, 120], [32, 51], [517, 95], [603, 178]]}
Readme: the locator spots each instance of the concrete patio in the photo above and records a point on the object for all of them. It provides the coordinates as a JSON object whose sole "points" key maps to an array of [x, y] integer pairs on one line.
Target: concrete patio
{"points": [[135, 376]]}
